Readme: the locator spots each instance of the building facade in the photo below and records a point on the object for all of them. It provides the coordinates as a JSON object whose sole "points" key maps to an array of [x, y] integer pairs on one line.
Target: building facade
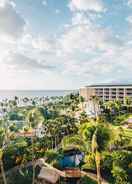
{"points": [[104, 93], [107, 92]]}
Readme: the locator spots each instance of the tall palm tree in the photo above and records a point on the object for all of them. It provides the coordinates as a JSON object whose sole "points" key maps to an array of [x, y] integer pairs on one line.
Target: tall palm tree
{"points": [[82, 100], [2, 168], [96, 106], [97, 136], [95, 151], [128, 103], [73, 141], [109, 106], [4, 139], [2, 135], [118, 105], [34, 118]]}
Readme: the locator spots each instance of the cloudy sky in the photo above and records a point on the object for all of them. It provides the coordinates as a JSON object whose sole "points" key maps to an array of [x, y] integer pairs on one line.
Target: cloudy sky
{"points": [[64, 44]]}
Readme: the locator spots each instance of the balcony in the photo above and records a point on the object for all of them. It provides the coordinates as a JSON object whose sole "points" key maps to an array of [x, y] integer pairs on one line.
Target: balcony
{"points": [[106, 93], [129, 89], [113, 93], [128, 94]]}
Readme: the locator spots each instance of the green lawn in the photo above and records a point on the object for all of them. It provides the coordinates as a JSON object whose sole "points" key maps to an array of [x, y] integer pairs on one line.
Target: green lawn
{"points": [[121, 118], [128, 132]]}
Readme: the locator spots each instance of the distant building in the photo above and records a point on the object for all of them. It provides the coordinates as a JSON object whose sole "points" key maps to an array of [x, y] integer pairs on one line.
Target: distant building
{"points": [[104, 92], [107, 92]]}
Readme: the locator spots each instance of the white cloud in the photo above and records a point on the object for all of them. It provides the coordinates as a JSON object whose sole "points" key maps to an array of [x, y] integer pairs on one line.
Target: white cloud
{"points": [[84, 52], [44, 3], [86, 38], [129, 19], [80, 18], [11, 22], [3, 3], [105, 67], [57, 11], [86, 5], [84, 34], [129, 2], [20, 62], [43, 44], [92, 53]]}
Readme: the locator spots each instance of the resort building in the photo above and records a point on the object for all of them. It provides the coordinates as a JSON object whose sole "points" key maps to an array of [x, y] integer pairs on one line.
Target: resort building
{"points": [[106, 92]]}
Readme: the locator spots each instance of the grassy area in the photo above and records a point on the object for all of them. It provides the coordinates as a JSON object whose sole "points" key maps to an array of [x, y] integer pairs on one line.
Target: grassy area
{"points": [[121, 118], [128, 132]]}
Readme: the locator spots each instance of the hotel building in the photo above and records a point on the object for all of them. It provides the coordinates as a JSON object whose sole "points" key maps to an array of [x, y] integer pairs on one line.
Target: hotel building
{"points": [[107, 92]]}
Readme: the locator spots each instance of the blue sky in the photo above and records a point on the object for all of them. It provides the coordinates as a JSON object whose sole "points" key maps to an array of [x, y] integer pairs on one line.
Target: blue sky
{"points": [[64, 44]]}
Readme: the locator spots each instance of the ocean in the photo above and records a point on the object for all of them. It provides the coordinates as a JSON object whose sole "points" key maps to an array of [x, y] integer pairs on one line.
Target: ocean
{"points": [[33, 93]]}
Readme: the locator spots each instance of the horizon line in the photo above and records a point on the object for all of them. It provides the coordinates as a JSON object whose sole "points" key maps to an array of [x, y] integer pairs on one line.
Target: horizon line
{"points": [[38, 89]]}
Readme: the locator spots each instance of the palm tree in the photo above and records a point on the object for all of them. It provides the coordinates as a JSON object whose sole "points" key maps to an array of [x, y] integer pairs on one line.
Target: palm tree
{"points": [[97, 136], [4, 138], [109, 107], [2, 135], [34, 119], [95, 151], [95, 101], [2, 168], [73, 141], [118, 105], [128, 103], [82, 100]]}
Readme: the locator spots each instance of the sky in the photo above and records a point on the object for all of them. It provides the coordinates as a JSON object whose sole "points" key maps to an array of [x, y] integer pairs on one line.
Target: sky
{"points": [[64, 44]]}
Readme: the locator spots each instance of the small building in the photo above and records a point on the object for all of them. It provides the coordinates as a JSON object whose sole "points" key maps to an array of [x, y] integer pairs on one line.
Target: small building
{"points": [[70, 172], [72, 159]]}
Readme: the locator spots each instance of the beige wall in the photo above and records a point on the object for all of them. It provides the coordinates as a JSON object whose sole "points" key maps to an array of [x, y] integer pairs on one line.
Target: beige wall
{"points": [[87, 93], [114, 93]]}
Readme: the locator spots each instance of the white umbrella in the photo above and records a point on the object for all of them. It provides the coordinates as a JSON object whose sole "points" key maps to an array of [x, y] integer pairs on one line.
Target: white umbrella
{"points": [[49, 175]]}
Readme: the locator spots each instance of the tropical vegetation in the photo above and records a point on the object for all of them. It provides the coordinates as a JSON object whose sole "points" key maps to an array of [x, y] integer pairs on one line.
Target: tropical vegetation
{"points": [[45, 127]]}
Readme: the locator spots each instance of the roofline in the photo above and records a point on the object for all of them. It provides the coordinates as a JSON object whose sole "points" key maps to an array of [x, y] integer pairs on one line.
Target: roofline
{"points": [[109, 85]]}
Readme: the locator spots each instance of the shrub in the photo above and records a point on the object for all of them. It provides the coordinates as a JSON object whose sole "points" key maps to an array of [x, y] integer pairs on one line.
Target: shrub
{"points": [[120, 175]]}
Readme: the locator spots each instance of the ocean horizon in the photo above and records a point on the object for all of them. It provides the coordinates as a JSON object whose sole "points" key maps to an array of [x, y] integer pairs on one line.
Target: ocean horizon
{"points": [[9, 94]]}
